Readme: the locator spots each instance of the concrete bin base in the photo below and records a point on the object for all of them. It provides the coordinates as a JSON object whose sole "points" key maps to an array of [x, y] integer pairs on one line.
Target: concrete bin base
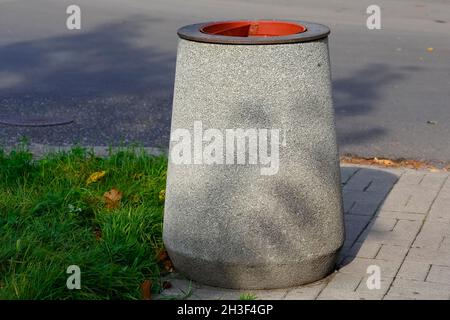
{"points": [[254, 225], [251, 276]]}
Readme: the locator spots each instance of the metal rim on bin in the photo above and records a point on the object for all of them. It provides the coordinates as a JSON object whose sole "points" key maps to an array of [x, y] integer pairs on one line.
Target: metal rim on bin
{"points": [[308, 31]]}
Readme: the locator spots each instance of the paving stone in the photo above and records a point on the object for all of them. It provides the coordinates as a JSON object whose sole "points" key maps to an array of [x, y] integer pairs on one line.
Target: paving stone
{"points": [[380, 224], [396, 172], [357, 217], [360, 181], [411, 198], [365, 207], [419, 289], [391, 252], [385, 283], [445, 245], [411, 177], [431, 235], [446, 186], [365, 202], [347, 173], [344, 286], [353, 228], [428, 256], [440, 210], [342, 295], [358, 266], [401, 215], [433, 180], [218, 294], [367, 250], [402, 234], [308, 292], [379, 227], [412, 270], [371, 180], [390, 296], [405, 229], [345, 281], [439, 274]]}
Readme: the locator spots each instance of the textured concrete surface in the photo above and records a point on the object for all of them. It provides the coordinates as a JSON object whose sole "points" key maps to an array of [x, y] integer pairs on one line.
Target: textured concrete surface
{"points": [[397, 219], [228, 225]]}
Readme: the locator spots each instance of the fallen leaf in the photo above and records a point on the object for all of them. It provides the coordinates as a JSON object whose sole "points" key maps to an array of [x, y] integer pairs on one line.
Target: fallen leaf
{"points": [[112, 198], [98, 234], [96, 176], [146, 290], [384, 162], [166, 285], [162, 195], [162, 255], [430, 49], [164, 259]]}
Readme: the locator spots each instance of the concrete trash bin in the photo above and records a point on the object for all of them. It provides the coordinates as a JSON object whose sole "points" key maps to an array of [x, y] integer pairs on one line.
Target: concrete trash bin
{"points": [[253, 198]]}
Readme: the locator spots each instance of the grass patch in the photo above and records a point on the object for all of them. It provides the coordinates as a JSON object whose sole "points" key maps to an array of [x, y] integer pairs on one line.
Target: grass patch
{"points": [[247, 296], [51, 218]]}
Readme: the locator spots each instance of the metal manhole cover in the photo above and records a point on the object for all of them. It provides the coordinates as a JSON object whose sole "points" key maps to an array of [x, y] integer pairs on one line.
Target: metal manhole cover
{"points": [[35, 121]]}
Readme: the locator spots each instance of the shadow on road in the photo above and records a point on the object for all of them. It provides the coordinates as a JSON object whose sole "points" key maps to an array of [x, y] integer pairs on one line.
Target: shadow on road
{"points": [[358, 95], [114, 86], [116, 89]]}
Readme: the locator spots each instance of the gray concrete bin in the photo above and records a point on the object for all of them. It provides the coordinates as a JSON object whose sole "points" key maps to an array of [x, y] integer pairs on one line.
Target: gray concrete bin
{"points": [[253, 198]]}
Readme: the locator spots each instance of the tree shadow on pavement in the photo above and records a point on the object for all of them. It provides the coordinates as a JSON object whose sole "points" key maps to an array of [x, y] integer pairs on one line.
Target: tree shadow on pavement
{"points": [[364, 192]]}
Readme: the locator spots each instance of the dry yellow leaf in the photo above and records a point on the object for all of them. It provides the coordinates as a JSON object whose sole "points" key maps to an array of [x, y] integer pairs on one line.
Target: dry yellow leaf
{"points": [[162, 195], [430, 49], [112, 198], [95, 177], [384, 162]]}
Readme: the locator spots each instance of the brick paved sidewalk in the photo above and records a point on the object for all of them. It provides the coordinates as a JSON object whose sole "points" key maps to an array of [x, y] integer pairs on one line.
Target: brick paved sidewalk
{"points": [[397, 219]]}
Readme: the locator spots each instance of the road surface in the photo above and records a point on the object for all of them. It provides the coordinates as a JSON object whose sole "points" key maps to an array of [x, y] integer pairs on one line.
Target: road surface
{"points": [[114, 77]]}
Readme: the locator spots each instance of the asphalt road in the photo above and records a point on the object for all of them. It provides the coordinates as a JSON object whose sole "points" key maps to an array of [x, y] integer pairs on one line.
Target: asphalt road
{"points": [[114, 77]]}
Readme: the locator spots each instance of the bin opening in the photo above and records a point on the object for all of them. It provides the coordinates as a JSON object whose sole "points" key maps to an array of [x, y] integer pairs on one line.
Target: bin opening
{"points": [[253, 28]]}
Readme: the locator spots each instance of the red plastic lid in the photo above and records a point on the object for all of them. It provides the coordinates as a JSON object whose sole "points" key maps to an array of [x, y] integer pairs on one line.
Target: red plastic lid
{"points": [[253, 28]]}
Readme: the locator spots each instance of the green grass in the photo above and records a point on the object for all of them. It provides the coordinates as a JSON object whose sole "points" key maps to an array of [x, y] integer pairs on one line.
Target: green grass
{"points": [[50, 218], [247, 296]]}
